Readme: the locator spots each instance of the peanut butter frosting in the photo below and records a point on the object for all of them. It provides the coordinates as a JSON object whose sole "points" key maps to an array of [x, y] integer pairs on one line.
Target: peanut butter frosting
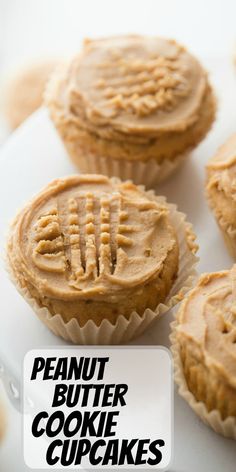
{"points": [[221, 191], [87, 237], [134, 86], [222, 169], [207, 326]]}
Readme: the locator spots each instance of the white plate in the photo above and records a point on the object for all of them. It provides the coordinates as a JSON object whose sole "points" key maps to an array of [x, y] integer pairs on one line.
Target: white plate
{"points": [[31, 158]]}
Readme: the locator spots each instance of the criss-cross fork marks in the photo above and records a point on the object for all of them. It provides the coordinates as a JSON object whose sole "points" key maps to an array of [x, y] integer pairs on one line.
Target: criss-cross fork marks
{"points": [[85, 236], [142, 87]]}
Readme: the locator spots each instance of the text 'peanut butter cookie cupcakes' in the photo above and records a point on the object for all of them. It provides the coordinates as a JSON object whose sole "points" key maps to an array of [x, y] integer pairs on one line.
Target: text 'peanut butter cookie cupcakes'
{"points": [[99, 259], [24, 93], [131, 106], [221, 191], [204, 350]]}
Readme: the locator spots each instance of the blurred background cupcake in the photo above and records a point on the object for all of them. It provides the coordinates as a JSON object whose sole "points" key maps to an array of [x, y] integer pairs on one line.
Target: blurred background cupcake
{"points": [[131, 106], [24, 91]]}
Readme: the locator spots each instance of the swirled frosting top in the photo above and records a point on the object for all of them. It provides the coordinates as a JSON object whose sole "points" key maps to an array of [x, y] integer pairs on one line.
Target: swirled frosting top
{"points": [[134, 84], [208, 320], [87, 235]]}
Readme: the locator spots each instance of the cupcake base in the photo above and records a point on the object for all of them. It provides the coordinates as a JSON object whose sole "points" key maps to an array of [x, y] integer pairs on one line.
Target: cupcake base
{"points": [[227, 427], [149, 173]]}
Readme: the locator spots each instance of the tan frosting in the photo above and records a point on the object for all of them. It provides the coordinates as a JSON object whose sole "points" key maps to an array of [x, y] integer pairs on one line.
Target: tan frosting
{"points": [[88, 236], [208, 322], [133, 85], [222, 169]]}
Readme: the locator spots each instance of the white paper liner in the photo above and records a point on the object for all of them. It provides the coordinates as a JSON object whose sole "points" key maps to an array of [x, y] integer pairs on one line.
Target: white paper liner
{"points": [[149, 173], [227, 427], [126, 329]]}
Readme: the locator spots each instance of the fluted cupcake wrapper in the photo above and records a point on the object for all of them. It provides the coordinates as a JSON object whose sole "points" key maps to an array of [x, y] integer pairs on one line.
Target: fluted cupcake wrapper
{"points": [[227, 427], [149, 173], [126, 329]]}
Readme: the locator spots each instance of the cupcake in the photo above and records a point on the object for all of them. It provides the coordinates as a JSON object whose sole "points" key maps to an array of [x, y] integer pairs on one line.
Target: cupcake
{"points": [[204, 349], [99, 259], [131, 106], [221, 191], [24, 93]]}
